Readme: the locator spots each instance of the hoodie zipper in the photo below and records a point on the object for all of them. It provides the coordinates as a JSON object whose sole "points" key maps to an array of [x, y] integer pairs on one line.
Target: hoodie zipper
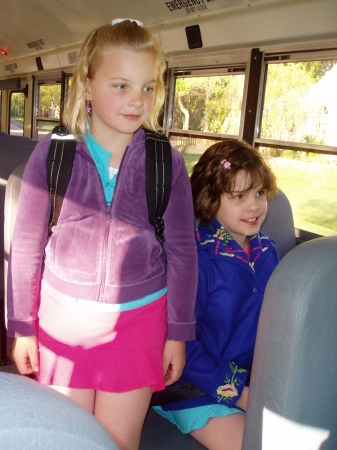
{"points": [[107, 231], [105, 253]]}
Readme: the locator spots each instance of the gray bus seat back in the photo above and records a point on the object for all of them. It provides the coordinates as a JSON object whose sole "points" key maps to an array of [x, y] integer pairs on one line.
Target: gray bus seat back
{"points": [[14, 150], [279, 223], [11, 204], [293, 392], [36, 416]]}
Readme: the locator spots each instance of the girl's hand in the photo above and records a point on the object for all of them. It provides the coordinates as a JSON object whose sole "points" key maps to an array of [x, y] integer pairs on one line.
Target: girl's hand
{"points": [[174, 359], [243, 400], [25, 354]]}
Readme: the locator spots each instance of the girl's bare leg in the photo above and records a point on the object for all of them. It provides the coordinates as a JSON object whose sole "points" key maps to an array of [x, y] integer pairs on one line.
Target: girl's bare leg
{"points": [[123, 415], [222, 433], [85, 397]]}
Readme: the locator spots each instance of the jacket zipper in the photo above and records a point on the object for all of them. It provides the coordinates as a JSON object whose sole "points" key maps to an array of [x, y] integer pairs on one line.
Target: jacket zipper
{"points": [[105, 253], [108, 214]]}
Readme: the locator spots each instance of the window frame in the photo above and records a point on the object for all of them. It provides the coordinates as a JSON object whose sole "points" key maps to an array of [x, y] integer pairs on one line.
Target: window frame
{"points": [[16, 91], [279, 58], [188, 72], [57, 78]]}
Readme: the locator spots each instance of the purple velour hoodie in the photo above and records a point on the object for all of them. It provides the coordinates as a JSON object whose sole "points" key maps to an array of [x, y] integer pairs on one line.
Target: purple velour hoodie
{"points": [[100, 253]]}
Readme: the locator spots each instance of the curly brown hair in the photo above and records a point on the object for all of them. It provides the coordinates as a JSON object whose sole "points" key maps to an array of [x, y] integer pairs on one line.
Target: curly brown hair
{"points": [[210, 179]]}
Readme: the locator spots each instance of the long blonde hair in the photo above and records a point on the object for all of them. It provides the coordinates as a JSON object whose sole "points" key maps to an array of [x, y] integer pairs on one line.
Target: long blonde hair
{"points": [[128, 35]]}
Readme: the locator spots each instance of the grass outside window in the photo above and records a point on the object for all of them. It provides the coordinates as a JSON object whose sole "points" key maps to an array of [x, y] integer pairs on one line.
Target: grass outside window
{"points": [[309, 183]]}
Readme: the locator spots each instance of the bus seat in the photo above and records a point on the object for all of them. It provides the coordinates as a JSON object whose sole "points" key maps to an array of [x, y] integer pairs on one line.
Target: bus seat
{"points": [[161, 434], [36, 416], [11, 205], [14, 150], [21, 142], [279, 223], [293, 392]]}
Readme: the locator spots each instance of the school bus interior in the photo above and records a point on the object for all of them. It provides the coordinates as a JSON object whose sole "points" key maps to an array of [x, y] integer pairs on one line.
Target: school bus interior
{"points": [[295, 352], [275, 63]]}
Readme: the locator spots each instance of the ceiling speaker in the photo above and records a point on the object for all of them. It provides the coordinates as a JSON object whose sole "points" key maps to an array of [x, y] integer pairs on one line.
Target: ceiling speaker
{"points": [[39, 63], [193, 36]]}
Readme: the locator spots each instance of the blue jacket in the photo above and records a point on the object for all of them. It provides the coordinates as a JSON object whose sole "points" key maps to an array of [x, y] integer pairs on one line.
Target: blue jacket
{"points": [[102, 253], [229, 299]]}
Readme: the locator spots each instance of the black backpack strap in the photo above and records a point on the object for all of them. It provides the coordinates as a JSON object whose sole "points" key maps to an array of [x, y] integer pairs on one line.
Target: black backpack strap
{"points": [[158, 179], [59, 167]]}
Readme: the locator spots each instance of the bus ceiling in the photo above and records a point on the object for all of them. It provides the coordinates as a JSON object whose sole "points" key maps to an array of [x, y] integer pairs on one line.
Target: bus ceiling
{"points": [[37, 36]]}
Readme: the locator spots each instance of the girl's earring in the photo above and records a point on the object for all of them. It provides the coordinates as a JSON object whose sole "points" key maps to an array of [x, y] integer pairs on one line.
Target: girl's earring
{"points": [[88, 108]]}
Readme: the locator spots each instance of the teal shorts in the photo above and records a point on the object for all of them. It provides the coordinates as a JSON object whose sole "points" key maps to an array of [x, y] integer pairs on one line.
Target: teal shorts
{"points": [[191, 419]]}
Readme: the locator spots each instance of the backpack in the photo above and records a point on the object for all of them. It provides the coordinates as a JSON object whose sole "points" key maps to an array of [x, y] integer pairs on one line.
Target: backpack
{"points": [[158, 164]]}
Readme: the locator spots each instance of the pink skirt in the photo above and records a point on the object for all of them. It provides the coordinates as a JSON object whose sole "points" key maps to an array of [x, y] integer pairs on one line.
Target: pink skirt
{"points": [[84, 345]]}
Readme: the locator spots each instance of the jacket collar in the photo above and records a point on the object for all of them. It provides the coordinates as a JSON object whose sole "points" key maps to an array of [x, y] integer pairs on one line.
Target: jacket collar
{"points": [[138, 139], [221, 245]]}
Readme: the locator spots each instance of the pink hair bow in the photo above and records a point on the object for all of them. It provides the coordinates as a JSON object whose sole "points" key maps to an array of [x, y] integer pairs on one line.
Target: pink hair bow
{"points": [[226, 164]]}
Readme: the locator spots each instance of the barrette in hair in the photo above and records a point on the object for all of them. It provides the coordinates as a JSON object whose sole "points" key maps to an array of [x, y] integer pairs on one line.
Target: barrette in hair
{"points": [[122, 20], [226, 164]]}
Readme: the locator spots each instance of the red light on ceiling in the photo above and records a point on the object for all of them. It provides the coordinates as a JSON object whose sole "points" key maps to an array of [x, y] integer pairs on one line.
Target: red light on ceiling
{"points": [[3, 51]]}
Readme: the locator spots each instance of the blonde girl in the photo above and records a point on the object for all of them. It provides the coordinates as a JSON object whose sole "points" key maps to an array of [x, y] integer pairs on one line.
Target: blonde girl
{"points": [[99, 310]]}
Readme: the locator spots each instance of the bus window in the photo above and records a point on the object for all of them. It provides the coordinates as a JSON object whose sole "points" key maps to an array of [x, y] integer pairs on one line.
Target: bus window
{"points": [[17, 113], [299, 105], [205, 105], [299, 114], [69, 82], [49, 104]]}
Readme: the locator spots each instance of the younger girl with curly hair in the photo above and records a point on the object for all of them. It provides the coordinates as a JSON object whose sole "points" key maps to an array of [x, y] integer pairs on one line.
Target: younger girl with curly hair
{"points": [[231, 185]]}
